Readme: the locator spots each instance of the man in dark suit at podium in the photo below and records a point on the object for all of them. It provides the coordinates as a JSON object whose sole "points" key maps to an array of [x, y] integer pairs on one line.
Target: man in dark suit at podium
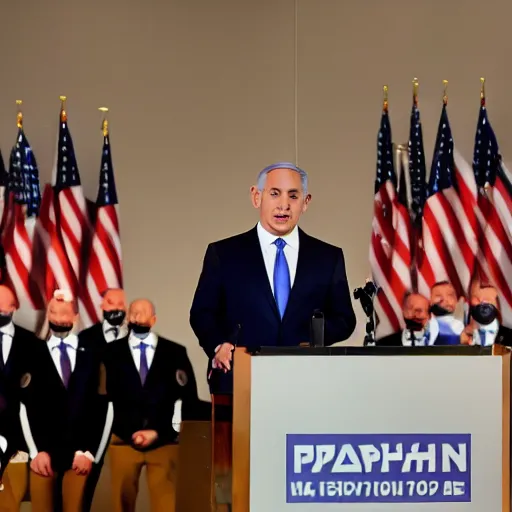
{"points": [[263, 287]]}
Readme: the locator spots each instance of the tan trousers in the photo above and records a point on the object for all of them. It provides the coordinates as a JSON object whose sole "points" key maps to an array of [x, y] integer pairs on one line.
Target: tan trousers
{"points": [[42, 492], [126, 465], [15, 482]]}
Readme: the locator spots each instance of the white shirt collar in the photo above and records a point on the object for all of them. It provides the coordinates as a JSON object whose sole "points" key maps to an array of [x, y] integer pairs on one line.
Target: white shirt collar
{"points": [[122, 329], [266, 238], [70, 339], [150, 340], [493, 326], [8, 329]]}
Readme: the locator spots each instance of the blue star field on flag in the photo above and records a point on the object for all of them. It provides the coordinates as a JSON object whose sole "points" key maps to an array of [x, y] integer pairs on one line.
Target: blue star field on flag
{"points": [[385, 159], [442, 173], [417, 167], [107, 193], [67, 167]]}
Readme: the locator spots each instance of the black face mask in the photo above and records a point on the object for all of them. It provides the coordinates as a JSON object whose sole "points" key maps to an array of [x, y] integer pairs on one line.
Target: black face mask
{"points": [[413, 325], [114, 317], [438, 310], [5, 318], [60, 328], [138, 328], [484, 313]]}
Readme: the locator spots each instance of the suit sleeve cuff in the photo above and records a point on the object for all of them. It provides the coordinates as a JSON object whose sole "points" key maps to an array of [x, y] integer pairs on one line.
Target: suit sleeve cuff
{"points": [[3, 444], [89, 455]]}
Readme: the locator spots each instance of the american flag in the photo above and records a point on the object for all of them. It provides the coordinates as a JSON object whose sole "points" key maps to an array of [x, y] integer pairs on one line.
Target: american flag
{"points": [[105, 263], [387, 306], [72, 218], [22, 210], [495, 256], [53, 269], [449, 239], [401, 258]]}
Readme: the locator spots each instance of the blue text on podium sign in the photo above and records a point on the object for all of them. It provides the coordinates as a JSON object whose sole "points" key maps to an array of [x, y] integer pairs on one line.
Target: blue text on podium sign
{"points": [[378, 468]]}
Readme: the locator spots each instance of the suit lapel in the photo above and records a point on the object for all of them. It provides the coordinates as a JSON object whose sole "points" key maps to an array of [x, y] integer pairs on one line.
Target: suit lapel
{"points": [[155, 363], [305, 268], [257, 275]]}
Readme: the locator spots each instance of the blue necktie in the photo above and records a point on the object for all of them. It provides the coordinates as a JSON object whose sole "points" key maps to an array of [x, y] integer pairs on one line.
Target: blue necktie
{"points": [[281, 277], [65, 363], [143, 362]]}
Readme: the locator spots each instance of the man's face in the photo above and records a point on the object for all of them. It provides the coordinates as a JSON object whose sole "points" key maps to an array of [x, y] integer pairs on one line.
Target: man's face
{"points": [[487, 295], [141, 312], [7, 301], [445, 296], [282, 201], [416, 308], [61, 313], [114, 300]]}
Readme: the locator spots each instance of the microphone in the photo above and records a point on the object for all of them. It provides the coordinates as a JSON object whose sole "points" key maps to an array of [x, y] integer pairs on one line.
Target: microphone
{"points": [[366, 296], [317, 329]]}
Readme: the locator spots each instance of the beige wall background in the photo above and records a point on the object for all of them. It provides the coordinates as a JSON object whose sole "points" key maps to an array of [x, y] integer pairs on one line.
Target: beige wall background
{"points": [[203, 94]]}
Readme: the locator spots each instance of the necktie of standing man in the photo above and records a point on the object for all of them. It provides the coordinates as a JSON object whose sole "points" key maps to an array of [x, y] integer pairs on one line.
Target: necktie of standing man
{"points": [[281, 277], [65, 363], [114, 331], [143, 371]]}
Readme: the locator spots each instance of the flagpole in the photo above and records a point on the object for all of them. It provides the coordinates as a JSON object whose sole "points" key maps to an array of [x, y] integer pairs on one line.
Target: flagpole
{"points": [[416, 231]]}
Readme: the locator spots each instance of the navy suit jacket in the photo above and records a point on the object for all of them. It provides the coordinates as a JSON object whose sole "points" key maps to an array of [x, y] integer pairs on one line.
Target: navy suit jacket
{"points": [[234, 301]]}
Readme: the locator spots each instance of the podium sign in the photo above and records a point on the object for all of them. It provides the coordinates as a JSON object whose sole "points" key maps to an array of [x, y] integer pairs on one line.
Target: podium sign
{"points": [[378, 433]]}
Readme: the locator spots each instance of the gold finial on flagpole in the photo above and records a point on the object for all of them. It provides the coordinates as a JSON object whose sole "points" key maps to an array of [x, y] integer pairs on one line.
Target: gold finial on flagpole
{"points": [[482, 90], [19, 114], [385, 101], [445, 92], [104, 123], [63, 115], [415, 87]]}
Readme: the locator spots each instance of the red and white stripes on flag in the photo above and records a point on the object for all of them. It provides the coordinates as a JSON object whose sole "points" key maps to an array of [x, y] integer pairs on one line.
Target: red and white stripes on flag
{"points": [[450, 233], [54, 271], [72, 218], [17, 239], [105, 262], [388, 308]]}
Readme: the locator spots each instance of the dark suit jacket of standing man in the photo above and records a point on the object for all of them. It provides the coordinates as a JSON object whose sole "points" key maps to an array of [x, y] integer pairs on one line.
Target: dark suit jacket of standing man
{"points": [[150, 405], [63, 421], [234, 296], [15, 367], [93, 338]]}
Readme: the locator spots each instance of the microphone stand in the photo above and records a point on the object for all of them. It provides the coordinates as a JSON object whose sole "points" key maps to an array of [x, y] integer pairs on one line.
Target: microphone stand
{"points": [[365, 295]]}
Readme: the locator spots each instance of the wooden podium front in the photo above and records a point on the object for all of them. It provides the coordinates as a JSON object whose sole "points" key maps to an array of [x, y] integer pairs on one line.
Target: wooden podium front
{"points": [[230, 469]]}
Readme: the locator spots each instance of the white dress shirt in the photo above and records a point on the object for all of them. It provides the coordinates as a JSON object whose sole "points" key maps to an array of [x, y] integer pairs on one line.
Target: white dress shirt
{"points": [[109, 331], [151, 340], [71, 341], [269, 251], [485, 335], [7, 333], [421, 338]]}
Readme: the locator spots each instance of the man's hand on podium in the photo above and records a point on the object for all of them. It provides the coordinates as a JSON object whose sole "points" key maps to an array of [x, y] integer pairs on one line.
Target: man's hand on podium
{"points": [[223, 357], [466, 336]]}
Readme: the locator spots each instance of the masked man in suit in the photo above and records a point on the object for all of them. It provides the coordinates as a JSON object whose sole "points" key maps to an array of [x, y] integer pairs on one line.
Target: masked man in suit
{"points": [[97, 337], [263, 287], [445, 329], [483, 327], [16, 347], [416, 316], [147, 376], [59, 417]]}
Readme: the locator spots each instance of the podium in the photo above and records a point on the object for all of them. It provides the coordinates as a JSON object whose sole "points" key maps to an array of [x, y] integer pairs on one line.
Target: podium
{"points": [[365, 429]]}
